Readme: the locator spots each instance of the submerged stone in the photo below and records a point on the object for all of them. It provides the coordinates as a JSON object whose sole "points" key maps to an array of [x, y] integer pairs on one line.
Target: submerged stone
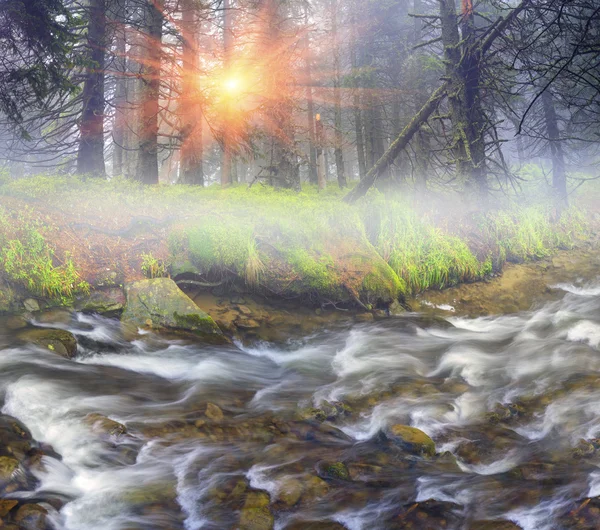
{"points": [[333, 470], [411, 439], [8, 467], [32, 517], [160, 304], [213, 412], [255, 514], [103, 425], [58, 341]]}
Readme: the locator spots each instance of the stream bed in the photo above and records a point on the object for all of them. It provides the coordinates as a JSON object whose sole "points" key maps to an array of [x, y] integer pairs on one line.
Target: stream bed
{"points": [[167, 433]]}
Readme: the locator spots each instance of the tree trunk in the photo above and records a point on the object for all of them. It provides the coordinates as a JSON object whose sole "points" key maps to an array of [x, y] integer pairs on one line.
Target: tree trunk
{"points": [[192, 171], [356, 100], [90, 155], [339, 138], [226, 155], [312, 152], [147, 166], [559, 175], [462, 70], [398, 145], [119, 123]]}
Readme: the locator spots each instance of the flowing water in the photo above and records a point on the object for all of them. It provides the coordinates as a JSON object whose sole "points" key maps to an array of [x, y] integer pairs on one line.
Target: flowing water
{"points": [[507, 400]]}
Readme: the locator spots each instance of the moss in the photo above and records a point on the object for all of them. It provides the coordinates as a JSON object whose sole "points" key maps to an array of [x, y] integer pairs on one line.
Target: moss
{"points": [[191, 320], [412, 439], [333, 470]]}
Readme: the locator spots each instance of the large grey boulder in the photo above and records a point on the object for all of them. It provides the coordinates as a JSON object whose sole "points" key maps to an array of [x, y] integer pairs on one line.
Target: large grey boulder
{"points": [[160, 304]]}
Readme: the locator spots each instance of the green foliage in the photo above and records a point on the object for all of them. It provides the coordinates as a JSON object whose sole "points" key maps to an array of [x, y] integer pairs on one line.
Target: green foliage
{"points": [[311, 243], [153, 267], [522, 234], [425, 256], [28, 260]]}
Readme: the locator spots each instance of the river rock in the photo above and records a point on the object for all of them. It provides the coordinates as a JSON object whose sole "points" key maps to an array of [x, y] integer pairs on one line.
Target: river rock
{"points": [[411, 439], [213, 412], [102, 425], [32, 517], [290, 491], [108, 302], [160, 304], [333, 470], [255, 514], [6, 505], [8, 468], [31, 305], [59, 341]]}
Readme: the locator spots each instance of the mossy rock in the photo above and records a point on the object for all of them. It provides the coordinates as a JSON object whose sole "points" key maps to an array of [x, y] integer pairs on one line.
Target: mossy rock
{"points": [[108, 302], [255, 514], [333, 470], [6, 505], [290, 491], [32, 517], [58, 341], [411, 439], [102, 425], [160, 304], [8, 467]]}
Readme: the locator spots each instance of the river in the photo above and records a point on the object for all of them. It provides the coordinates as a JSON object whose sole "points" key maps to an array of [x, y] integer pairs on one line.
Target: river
{"points": [[507, 400]]}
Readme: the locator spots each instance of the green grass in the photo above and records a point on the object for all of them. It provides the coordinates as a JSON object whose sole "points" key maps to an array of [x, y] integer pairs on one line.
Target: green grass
{"points": [[28, 260], [307, 244]]}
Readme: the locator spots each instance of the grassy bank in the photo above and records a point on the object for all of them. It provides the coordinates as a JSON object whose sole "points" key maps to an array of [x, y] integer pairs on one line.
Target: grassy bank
{"points": [[59, 235]]}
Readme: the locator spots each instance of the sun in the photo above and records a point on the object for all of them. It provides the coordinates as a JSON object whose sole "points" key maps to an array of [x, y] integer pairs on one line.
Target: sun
{"points": [[232, 85]]}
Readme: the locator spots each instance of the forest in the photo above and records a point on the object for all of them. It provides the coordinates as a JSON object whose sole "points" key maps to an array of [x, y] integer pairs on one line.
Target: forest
{"points": [[299, 264], [410, 95]]}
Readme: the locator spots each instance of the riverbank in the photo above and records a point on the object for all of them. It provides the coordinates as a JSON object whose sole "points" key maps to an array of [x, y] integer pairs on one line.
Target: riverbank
{"points": [[62, 240], [413, 421]]}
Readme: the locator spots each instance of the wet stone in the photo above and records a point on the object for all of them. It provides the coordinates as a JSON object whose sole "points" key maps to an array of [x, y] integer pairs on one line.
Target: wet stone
{"points": [[411, 439], [58, 341], [256, 515], [213, 412], [102, 425], [32, 517], [333, 470]]}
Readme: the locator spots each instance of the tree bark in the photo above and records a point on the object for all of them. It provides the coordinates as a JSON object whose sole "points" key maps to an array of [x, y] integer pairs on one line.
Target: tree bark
{"points": [[559, 175], [356, 100], [466, 113], [312, 152], [90, 155], [339, 138], [192, 171], [147, 164], [226, 155], [119, 122]]}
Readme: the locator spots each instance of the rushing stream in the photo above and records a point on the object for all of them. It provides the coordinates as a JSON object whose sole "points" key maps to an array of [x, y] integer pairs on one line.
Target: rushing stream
{"points": [[507, 400]]}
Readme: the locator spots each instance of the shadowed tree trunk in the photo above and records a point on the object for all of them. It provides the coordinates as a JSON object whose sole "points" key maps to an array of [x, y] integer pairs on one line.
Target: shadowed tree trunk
{"points": [[90, 155], [147, 164], [339, 139], [119, 122], [192, 171], [559, 175], [463, 72], [312, 151]]}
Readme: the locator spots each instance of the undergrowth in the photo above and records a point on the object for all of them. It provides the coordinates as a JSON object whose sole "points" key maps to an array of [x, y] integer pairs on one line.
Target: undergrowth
{"points": [[295, 244], [27, 259]]}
